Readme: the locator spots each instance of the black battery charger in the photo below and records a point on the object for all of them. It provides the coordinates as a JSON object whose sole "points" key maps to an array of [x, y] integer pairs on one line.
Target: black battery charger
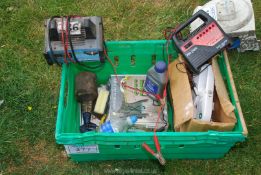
{"points": [[203, 43]]}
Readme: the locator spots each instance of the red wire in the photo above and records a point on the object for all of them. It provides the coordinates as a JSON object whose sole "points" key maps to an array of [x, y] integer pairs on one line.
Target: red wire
{"points": [[67, 41], [124, 84], [64, 47], [67, 37], [165, 88], [142, 91], [113, 67]]}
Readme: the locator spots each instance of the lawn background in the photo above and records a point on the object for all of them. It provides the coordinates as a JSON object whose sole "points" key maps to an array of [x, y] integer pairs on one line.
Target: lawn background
{"points": [[27, 143]]}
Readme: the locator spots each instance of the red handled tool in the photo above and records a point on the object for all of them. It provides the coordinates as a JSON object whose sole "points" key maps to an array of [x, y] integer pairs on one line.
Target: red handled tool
{"points": [[157, 155]]}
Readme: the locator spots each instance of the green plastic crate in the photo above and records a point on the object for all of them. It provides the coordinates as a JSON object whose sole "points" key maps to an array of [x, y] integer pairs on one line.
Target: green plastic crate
{"points": [[136, 57]]}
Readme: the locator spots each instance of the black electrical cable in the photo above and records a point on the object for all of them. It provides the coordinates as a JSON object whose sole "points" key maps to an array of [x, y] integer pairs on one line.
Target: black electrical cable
{"points": [[181, 63], [72, 49], [163, 118], [184, 64], [105, 46], [155, 103], [165, 123], [170, 105], [168, 39], [49, 41]]}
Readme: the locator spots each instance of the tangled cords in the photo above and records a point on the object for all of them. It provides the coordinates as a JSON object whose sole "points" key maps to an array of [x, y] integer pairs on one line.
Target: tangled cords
{"points": [[157, 154], [66, 40]]}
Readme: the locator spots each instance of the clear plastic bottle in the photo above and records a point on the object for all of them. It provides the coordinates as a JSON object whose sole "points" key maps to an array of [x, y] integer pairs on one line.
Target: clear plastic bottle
{"points": [[156, 79], [116, 96], [119, 124]]}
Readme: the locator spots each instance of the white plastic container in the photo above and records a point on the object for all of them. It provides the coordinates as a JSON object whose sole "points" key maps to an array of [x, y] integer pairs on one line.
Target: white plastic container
{"points": [[203, 100]]}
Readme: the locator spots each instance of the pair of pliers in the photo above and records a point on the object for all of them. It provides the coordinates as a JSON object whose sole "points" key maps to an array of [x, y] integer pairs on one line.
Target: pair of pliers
{"points": [[158, 154], [135, 108]]}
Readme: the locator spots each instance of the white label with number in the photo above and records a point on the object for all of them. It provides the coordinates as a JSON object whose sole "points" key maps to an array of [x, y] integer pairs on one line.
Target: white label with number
{"points": [[75, 27], [77, 149]]}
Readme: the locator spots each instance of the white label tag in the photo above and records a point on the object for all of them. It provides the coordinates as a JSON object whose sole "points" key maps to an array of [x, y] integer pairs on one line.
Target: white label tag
{"points": [[77, 149], [75, 27]]}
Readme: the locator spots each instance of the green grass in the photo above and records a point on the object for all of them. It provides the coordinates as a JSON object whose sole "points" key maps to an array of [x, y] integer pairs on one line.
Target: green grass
{"points": [[27, 143]]}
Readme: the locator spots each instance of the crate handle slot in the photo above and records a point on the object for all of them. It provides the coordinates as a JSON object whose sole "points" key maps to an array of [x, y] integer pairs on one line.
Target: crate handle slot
{"points": [[153, 59], [116, 60], [181, 146], [133, 60], [137, 146], [117, 146]]}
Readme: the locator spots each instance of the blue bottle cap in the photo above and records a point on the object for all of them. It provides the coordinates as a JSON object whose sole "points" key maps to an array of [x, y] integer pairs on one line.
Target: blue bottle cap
{"points": [[106, 127], [133, 119], [160, 67]]}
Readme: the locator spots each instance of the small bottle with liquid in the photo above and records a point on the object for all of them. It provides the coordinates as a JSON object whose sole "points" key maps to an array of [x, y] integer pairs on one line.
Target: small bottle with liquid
{"points": [[156, 79]]}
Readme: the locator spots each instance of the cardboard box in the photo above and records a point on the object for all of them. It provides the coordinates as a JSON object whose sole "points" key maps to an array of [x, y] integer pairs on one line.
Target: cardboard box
{"points": [[223, 117]]}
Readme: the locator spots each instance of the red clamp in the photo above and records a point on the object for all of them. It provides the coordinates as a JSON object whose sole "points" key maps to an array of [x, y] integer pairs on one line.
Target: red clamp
{"points": [[157, 155]]}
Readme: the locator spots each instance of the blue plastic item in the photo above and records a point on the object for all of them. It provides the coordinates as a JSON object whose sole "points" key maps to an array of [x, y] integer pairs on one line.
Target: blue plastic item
{"points": [[118, 124]]}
